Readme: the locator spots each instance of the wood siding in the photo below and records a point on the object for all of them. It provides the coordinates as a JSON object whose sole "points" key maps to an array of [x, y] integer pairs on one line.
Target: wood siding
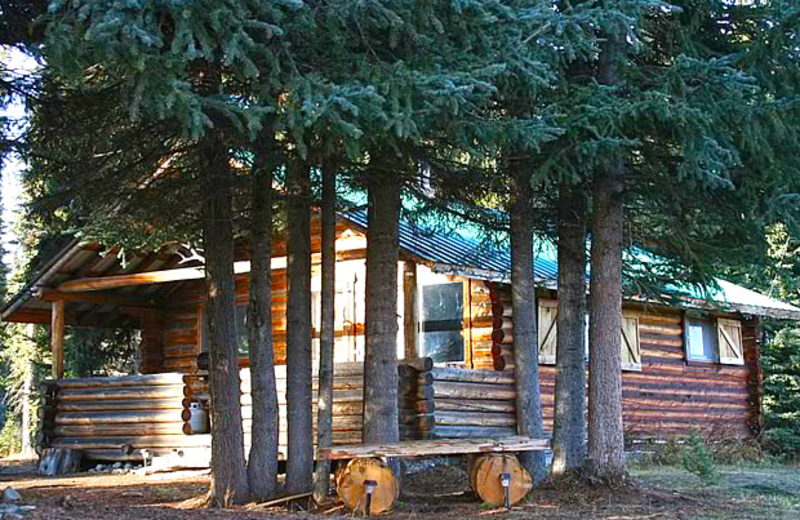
{"points": [[669, 397]]}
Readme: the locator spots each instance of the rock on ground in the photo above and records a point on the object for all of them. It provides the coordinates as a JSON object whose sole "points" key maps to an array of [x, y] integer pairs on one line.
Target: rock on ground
{"points": [[11, 496]]}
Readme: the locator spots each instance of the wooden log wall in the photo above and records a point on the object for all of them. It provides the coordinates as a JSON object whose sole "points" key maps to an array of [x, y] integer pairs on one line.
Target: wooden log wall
{"points": [[751, 341], [47, 415], [481, 325], [114, 418], [184, 319], [456, 403], [502, 325], [152, 350], [415, 401], [348, 406], [670, 397]]}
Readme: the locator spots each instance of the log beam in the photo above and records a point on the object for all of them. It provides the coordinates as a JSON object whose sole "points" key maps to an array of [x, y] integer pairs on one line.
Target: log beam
{"points": [[410, 309], [101, 283], [57, 338], [91, 297]]}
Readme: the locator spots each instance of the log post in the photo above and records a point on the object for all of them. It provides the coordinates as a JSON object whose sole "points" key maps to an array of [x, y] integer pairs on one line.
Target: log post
{"points": [[57, 338], [410, 304]]}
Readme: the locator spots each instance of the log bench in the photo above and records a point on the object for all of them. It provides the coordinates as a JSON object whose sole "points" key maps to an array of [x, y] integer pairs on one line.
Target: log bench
{"points": [[367, 483]]}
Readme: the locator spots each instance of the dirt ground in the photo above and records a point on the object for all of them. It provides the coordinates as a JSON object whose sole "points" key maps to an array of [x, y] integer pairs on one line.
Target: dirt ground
{"points": [[438, 493]]}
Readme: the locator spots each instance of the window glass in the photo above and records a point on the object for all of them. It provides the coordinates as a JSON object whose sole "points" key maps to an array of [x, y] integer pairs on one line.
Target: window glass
{"points": [[441, 314], [241, 330], [701, 340]]}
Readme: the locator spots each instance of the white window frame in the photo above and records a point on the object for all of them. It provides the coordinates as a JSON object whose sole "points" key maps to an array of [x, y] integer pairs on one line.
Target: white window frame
{"points": [[690, 356]]}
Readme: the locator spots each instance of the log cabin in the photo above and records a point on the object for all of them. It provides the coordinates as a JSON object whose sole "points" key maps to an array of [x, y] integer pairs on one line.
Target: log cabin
{"points": [[688, 366]]}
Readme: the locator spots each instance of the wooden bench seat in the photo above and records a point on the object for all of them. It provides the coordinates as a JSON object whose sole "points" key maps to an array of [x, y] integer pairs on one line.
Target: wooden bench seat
{"points": [[436, 447]]}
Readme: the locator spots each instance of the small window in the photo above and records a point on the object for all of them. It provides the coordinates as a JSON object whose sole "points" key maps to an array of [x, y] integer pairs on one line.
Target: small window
{"points": [[242, 336], [701, 340], [548, 331], [441, 315]]}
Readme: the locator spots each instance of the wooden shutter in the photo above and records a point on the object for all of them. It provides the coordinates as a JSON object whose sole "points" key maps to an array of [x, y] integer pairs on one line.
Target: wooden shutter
{"points": [[548, 331], [631, 347], [729, 336]]}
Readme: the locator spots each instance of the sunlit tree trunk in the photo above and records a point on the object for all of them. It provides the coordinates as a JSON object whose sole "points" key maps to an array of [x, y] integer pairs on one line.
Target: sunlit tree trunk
{"points": [[262, 467], [228, 475]]}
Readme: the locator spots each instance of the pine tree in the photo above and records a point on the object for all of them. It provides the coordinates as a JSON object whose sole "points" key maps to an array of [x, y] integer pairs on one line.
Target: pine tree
{"points": [[262, 464]]}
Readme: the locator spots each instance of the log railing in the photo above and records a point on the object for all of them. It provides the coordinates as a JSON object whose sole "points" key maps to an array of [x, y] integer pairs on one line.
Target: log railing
{"points": [[115, 418], [347, 407], [456, 403]]}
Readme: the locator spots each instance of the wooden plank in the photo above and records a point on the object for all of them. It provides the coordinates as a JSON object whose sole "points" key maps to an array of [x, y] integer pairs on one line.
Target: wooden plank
{"points": [[135, 404], [458, 418], [464, 375], [410, 318], [432, 448], [122, 381], [130, 417]]}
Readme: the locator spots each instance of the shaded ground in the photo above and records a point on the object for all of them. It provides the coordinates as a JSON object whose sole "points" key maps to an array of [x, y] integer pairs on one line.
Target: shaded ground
{"points": [[435, 493]]}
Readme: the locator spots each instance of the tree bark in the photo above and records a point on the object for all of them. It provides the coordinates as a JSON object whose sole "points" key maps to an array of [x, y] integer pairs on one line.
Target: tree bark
{"points": [[326, 342], [228, 475], [300, 459], [523, 302], [606, 442], [380, 372], [569, 432], [605, 458], [262, 468]]}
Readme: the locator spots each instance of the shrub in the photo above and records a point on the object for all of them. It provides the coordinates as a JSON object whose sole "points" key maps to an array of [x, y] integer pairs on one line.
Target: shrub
{"points": [[10, 438], [699, 460]]}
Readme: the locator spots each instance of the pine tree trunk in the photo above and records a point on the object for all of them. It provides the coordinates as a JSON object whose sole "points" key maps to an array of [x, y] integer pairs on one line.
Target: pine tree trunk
{"points": [[326, 341], [606, 443], [262, 467], [523, 302], [380, 372], [228, 475], [569, 432], [300, 459]]}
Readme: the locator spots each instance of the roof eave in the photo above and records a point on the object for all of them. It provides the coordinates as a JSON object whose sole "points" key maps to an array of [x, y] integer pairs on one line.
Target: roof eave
{"points": [[41, 278]]}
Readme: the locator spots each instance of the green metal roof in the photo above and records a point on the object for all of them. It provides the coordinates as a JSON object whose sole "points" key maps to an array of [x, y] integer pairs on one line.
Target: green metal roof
{"points": [[464, 251]]}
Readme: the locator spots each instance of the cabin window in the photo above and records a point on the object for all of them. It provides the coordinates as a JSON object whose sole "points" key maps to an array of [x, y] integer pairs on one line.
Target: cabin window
{"points": [[242, 339], [548, 331], [701, 340], [441, 316]]}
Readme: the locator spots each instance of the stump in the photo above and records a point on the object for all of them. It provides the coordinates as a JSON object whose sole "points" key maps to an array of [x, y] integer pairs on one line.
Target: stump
{"points": [[485, 478], [351, 488], [59, 461]]}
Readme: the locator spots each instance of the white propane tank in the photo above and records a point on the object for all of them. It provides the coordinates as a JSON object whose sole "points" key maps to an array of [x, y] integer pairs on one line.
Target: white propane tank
{"points": [[199, 418]]}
